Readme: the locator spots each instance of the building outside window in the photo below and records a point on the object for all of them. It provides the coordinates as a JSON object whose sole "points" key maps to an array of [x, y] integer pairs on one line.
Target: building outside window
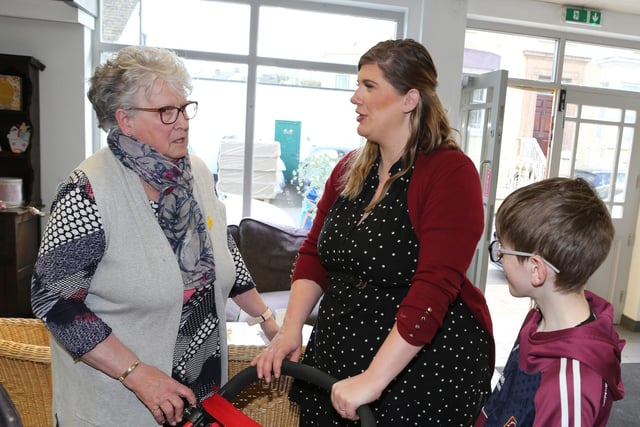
{"points": [[536, 74]]}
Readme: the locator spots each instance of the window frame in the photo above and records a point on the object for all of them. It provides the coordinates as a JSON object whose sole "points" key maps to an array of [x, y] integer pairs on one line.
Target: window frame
{"points": [[394, 12]]}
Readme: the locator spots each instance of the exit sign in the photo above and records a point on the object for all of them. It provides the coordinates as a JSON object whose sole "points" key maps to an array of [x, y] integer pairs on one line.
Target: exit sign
{"points": [[583, 16]]}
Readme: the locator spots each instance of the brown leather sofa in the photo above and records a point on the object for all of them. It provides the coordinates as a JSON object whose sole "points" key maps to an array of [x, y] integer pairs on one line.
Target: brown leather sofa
{"points": [[270, 251]]}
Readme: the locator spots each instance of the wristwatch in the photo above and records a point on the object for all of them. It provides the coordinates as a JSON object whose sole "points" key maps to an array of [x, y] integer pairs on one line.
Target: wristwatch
{"points": [[261, 318]]}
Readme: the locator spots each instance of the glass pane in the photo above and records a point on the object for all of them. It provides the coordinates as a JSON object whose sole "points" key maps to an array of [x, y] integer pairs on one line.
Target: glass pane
{"points": [[294, 34], [525, 57], [601, 66], [571, 111], [479, 96], [201, 25], [312, 138], [221, 94], [525, 139], [475, 135], [270, 76], [566, 156], [617, 211], [231, 175], [596, 147], [630, 116], [623, 165], [601, 113], [596, 156], [102, 135], [120, 22]]}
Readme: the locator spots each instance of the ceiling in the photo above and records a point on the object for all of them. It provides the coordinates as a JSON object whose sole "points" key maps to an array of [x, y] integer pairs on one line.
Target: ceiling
{"points": [[621, 6]]}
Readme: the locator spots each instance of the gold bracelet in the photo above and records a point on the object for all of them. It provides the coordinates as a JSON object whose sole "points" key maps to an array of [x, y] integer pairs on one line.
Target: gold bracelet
{"points": [[261, 318], [126, 373]]}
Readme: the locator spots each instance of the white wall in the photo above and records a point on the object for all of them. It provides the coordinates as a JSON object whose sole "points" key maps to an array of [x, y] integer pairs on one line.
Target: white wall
{"points": [[60, 44]]}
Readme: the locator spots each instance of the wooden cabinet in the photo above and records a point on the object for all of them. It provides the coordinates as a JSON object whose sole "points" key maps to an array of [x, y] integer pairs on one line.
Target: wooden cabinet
{"points": [[19, 241], [19, 229], [21, 73]]}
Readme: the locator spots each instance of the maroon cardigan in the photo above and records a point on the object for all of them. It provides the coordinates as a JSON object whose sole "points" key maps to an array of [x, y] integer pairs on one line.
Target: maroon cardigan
{"points": [[445, 208]]}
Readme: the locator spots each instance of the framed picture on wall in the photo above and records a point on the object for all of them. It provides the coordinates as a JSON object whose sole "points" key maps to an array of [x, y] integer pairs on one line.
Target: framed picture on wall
{"points": [[10, 92]]}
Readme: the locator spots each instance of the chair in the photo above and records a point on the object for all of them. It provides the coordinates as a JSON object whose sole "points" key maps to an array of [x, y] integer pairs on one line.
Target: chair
{"points": [[25, 369], [267, 404]]}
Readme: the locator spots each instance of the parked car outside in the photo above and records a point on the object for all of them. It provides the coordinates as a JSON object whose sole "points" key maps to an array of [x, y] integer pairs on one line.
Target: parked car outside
{"points": [[600, 180]]}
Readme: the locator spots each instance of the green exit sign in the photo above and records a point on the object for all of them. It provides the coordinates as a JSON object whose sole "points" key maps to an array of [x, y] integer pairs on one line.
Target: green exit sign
{"points": [[583, 16]]}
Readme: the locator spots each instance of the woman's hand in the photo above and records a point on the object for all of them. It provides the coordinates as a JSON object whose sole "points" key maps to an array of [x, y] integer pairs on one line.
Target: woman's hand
{"points": [[284, 344], [349, 394], [160, 393], [287, 343], [270, 328]]}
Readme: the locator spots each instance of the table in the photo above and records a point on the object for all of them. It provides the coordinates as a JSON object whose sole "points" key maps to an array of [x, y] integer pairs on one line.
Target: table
{"points": [[240, 333]]}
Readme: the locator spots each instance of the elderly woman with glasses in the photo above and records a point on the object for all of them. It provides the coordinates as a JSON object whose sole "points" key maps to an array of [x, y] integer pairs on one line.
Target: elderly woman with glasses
{"points": [[136, 264]]}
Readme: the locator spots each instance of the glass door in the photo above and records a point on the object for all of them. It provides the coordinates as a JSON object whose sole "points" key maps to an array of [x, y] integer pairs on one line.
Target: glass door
{"points": [[482, 112], [598, 131]]}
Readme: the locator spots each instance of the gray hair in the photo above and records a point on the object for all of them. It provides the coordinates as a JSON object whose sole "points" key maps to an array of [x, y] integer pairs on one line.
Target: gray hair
{"points": [[115, 83]]}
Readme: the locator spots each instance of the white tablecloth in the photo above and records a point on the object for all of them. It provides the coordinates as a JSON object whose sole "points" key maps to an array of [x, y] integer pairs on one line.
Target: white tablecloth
{"points": [[240, 333]]}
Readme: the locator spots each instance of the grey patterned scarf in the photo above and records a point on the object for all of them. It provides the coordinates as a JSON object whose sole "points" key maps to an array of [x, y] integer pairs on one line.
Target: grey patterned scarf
{"points": [[179, 215]]}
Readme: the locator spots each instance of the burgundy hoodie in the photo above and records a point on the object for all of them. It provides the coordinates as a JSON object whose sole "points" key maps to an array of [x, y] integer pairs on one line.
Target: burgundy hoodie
{"points": [[567, 378]]}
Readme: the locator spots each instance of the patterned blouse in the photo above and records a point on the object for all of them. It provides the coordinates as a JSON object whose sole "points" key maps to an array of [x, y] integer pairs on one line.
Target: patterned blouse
{"points": [[72, 246]]}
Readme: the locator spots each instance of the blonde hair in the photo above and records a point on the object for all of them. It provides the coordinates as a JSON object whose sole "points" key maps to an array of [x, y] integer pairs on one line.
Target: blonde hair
{"points": [[115, 83], [405, 64]]}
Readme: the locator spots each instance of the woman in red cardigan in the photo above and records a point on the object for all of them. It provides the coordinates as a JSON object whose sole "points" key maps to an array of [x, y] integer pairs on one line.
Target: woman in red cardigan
{"points": [[399, 323]]}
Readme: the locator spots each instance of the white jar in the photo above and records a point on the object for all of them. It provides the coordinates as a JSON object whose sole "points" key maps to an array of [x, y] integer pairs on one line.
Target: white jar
{"points": [[11, 191]]}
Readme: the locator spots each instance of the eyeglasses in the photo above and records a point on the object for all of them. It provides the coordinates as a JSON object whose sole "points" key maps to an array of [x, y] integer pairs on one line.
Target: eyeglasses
{"points": [[169, 114], [496, 251]]}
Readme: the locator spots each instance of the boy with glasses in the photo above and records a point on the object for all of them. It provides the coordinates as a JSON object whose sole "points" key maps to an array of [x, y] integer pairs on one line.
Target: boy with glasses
{"points": [[564, 368]]}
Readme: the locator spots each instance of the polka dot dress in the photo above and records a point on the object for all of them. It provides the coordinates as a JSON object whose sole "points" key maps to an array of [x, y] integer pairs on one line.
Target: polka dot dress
{"points": [[370, 263]]}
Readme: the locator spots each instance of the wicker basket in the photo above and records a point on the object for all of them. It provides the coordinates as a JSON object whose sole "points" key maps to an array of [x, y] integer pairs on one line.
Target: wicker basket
{"points": [[267, 404], [25, 372], [25, 369]]}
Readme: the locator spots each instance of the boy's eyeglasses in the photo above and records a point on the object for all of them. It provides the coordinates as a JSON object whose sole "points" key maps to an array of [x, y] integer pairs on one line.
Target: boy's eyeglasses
{"points": [[169, 114], [496, 251]]}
